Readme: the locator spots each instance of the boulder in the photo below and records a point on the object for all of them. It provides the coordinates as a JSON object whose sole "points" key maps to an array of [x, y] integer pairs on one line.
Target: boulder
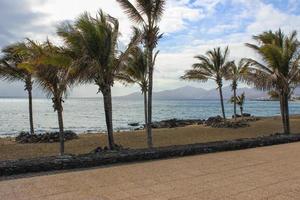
{"points": [[213, 120], [173, 123], [26, 137], [134, 124]]}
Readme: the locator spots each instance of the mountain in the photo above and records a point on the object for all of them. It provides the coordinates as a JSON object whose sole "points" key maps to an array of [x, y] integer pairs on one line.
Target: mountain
{"points": [[179, 93], [189, 92]]}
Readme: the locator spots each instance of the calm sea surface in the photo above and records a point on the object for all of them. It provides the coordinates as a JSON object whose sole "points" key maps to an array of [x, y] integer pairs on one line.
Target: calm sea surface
{"points": [[87, 115]]}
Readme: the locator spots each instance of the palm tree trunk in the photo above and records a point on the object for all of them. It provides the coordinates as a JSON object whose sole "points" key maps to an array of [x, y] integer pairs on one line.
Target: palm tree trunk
{"points": [[145, 107], [283, 112], [234, 100], [287, 117], [61, 127], [222, 101], [150, 87], [108, 116], [29, 90], [242, 113]]}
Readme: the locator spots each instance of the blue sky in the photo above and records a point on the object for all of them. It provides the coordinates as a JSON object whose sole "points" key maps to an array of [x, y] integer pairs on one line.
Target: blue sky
{"points": [[190, 27]]}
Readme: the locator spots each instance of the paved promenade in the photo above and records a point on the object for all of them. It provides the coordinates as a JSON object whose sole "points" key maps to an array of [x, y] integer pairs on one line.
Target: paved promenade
{"points": [[262, 173]]}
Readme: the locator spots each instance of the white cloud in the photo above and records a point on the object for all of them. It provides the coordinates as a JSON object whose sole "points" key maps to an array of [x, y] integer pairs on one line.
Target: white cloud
{"points": [[208, 5], [252, 17], [175, 18], [269, 18]]}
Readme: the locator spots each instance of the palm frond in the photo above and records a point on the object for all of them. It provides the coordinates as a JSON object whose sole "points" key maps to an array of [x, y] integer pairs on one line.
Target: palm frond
{"points": [[131, 11]]}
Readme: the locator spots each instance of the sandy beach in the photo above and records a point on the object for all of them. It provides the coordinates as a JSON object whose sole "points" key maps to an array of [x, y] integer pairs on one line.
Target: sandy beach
{"points": [[137, 139]]}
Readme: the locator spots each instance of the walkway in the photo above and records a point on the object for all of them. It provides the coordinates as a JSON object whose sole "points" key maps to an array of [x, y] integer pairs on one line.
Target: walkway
{"points": [[262, 173]]}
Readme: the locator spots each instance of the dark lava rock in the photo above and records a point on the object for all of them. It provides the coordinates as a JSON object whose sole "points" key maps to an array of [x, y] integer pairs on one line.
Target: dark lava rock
{"points": [[22, 166], [106, 149], [230, 124], [213, 120], [25, 137], [134, 124], [173, 123], [244, 115]]}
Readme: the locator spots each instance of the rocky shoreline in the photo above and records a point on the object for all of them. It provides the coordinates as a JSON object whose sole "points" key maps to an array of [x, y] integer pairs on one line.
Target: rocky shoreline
{"points": [[49, 137], [215, 122]]}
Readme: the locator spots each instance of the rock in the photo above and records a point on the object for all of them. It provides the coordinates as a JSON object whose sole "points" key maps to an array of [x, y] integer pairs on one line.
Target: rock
{"points": [[213, 120], [134, 124], [97, 150], [246, 115], [25, 137], [173, 123], [230, 124], [54, 163], [237, 116]]}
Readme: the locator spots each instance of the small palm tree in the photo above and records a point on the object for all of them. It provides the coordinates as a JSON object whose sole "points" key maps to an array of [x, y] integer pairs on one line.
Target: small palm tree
{"points": [[94, 46], [235, 73], [147, 14], [212, 66], [136, 71], [240, 101], [55, 74], [11, 70], [279, 69]]}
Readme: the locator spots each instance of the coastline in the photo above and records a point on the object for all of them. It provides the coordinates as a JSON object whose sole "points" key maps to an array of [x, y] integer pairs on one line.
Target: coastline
{"points": [[86, 143]]}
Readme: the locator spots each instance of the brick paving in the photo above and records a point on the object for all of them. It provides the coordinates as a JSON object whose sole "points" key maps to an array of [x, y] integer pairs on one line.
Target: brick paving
{"points": [[254, 174]]}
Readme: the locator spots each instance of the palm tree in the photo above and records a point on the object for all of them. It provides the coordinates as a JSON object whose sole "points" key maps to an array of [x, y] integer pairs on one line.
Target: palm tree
{"points": [[136, 71], [147, 14], [235, 73], [93, 42], [55, 74], [240, 101], [279, 69], [11, 70], [211, 66]]}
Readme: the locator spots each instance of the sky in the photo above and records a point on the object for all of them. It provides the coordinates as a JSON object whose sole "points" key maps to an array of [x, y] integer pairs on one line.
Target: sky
{"points": [[190, 27]]}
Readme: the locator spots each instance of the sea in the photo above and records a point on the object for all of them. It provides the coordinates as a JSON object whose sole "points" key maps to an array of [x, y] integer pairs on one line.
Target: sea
{"points": [[86, 115]]}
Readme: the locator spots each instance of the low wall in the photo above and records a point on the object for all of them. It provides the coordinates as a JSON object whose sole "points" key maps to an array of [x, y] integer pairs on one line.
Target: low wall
{"points": [[8, 168]]}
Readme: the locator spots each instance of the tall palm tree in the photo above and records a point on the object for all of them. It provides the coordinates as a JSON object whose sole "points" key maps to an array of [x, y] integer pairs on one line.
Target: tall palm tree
{"points": [[55, 74], [279, 69], [236, 72], [11, 70], [240, 101], [212, 66], [94, 45], [136, 71], [147, 14]]}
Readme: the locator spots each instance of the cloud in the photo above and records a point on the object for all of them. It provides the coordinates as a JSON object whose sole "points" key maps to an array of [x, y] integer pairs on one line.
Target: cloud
{"points": [[208, 5], [269, 18], [176, 17], [18, 20], [191, 26]]}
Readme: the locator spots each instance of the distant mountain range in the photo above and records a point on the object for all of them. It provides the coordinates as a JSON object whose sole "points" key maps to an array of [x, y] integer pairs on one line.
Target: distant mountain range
{"points": [[182, 93], [189, 92]]}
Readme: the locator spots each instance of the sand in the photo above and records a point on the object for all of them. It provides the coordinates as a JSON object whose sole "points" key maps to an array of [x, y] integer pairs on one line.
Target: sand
{"points": [[9, 149]]}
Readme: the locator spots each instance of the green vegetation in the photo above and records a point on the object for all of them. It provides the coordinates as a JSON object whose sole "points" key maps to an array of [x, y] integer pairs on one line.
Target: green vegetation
{"points": [[136, 71], [236, 73], [11, 70], [93, 44], [240, 101], [279, 70], [147, 14], [214, 66]]}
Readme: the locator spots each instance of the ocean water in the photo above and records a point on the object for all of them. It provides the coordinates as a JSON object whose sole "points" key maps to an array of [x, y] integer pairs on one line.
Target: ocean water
{"points": [[87, 114]]}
